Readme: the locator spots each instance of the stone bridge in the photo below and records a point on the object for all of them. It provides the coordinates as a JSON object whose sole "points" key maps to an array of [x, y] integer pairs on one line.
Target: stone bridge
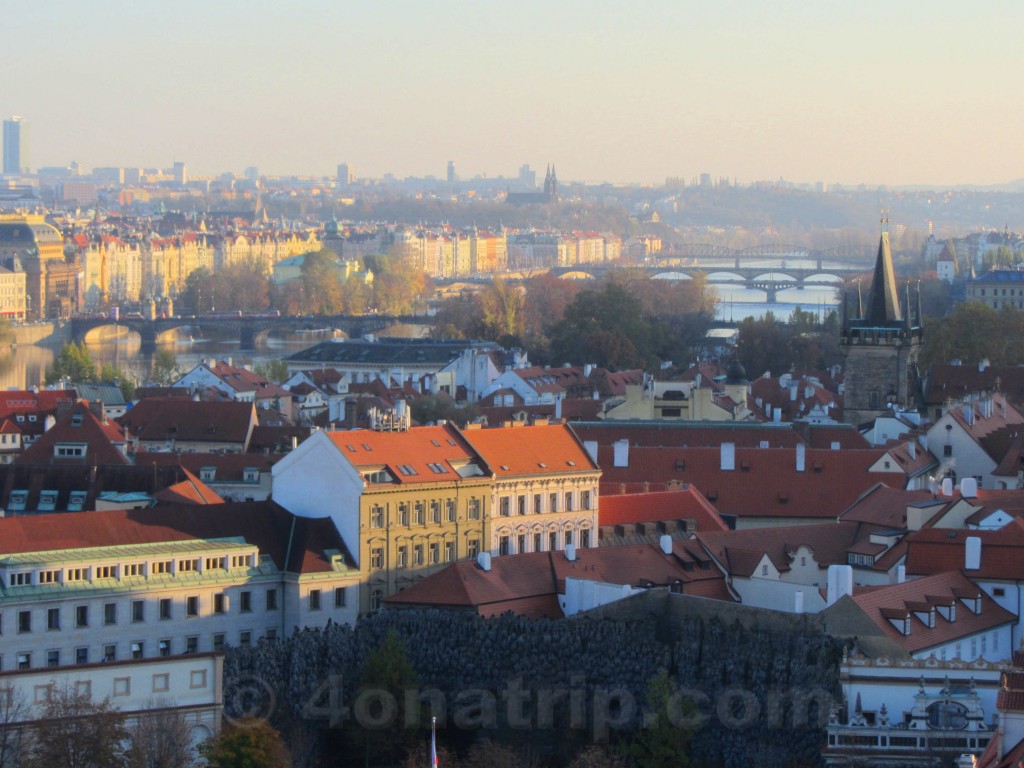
{"points": [[248, 329]]}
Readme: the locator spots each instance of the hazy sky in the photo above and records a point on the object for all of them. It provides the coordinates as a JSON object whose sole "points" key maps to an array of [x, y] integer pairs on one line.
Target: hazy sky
{"points": [[880, 92]]}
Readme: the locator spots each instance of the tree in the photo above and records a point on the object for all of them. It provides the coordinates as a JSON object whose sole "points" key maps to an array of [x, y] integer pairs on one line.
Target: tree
{"points": [[161, 739], [597, 756], [73, 363], [973, 331], [14, 711], [387, 673], [502, 306], [272, 370], [763, 345], [77, 732], [165, 369], [321, 283], [662, 742], [124, 379], [605, 327], [246, 743], [433, 408]]}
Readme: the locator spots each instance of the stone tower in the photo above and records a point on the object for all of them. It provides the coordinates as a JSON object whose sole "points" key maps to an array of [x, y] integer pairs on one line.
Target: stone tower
{"points": [[880, 346]]}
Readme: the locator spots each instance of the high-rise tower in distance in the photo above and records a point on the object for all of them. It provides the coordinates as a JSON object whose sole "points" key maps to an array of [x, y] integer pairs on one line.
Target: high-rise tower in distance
{"points": [[14, 144]]}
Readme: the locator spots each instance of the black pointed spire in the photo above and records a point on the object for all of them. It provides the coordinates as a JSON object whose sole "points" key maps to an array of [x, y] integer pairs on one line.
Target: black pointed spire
{"points": [[883, 305]]}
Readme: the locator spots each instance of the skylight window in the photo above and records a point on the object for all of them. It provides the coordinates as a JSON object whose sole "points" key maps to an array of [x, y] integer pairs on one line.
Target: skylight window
{"points": [[407, 470]]}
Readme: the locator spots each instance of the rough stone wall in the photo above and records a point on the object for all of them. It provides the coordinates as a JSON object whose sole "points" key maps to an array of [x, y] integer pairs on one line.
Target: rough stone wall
{"points": [[751, 683]]}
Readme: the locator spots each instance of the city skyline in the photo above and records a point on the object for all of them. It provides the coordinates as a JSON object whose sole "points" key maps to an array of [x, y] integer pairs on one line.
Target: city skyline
{"points": [[909, 95]]}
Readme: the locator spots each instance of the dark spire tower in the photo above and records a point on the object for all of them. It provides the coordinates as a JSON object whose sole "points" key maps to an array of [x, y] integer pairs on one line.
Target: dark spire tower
{"points": [[881, 347]]}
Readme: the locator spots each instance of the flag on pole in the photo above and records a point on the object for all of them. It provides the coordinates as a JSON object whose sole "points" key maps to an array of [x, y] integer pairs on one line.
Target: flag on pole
{"points": [[433, 743]]}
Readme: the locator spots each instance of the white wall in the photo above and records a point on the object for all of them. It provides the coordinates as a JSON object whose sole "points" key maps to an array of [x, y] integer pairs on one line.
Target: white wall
{"points": [[582, 595]]}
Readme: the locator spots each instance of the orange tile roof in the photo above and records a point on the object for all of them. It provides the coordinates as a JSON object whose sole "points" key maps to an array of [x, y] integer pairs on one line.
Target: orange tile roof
{"points": [[538, 449], [264, 524], [191, 490], [102, 437], [686, 503], [894, 600], [408, 455]]}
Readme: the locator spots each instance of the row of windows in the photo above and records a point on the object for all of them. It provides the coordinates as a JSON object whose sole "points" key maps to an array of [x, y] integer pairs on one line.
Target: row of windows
{"points": [[130, 570], [535, 542], [433, 553], [419, 513], [136, 649], [524, 506], [221, 605]]}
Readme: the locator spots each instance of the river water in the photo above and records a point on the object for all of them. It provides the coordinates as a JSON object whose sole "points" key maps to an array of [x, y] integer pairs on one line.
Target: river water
{"points": [[25, 366]]}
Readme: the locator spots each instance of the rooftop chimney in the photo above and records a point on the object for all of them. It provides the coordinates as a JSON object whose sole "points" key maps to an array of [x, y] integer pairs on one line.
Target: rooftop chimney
{"points": [[801, 457], [728, 457], [969, 488], [484, 561], [666, 544], [621, 453], [798, 604], [947, 486], [912, 449], [840, 582], [972, 553], [590, 446], [901, 574], [570, 553]]}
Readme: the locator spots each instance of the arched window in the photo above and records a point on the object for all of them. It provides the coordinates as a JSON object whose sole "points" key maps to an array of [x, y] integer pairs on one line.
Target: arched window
{"points": [[947, 716]]}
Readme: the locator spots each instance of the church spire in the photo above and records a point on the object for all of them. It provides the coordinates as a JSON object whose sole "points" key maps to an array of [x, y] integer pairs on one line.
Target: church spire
{"points": [[883, 300]]}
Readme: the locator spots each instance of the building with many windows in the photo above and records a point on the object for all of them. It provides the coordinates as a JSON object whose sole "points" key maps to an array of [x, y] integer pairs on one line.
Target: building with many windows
{"points": [[406, 503], [119, 585]]}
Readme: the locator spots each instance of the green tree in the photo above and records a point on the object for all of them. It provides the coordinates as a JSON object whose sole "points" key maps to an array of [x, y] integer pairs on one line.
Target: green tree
{"points": [[663, 741], [74, 363], [77, 732], [387, 672], [605, 327], [762, 344], [246, 743], [124, 379], [164, 371], [433, 408], [321, 283], [272, 370], [502, 307], [973, 331]]}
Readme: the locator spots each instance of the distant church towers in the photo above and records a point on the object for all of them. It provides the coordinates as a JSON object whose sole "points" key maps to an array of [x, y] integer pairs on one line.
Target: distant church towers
{"points": [[880, 342]]}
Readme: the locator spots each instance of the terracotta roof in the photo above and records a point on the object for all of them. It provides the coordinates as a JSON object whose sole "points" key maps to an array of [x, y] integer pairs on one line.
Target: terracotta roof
{"points": [[521, 583], [938, 550], [27, 400], [103, 438], [741, 551], [263, 524], [694, 435], [230, 467], [765, 482], [892, 600], [408, 455], [957, 381], [573, 409], [173, 419], [686, 503], [887, 507], [539, 449], [191, 490]]}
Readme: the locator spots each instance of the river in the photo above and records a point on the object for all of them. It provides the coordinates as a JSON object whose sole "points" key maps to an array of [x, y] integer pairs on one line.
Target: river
{"points": [[26, 365]]}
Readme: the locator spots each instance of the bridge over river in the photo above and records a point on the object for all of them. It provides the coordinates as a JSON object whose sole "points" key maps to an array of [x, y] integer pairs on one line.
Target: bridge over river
{"points": [[248, 329]]}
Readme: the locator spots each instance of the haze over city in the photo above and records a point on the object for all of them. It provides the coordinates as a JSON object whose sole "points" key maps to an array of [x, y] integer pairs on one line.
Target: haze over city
{"points": [[912, 93]]}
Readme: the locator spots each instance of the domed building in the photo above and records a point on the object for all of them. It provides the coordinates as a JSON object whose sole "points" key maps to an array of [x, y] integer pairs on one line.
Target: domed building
{"points": [[36, 247]]}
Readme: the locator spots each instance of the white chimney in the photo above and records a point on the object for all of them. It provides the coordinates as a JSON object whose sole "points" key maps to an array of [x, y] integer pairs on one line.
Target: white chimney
{"points": [[728, 457], [801, 457], [840, 582], [590, 446], [983, 364], [798, 603], [621, 453], [588, 369], [49, 422], [912, 449], [792, 392], [570, 552], [484, 561], [969, 488], [808, 392], [972, 553], [558, 407], [901, 574], [666, 544], [777, 416], [947, 486]]}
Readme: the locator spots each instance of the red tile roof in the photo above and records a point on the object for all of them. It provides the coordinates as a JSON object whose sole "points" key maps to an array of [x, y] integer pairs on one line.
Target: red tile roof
{"points": [[523, 583], [408, 455], [538, 449], [887, 507], [191, 490], [896, 601], [174, 419], [103, 438], [263, 524], [689, 435], [938, 550], [27, 400], [683, 504], [765, 482]]}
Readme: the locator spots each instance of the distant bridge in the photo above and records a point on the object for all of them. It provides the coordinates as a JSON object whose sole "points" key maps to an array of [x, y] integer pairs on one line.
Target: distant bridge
{"points": [[248, 329]]}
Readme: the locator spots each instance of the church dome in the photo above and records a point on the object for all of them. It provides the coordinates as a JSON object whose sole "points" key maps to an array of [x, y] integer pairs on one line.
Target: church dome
{"points": [[735, 373]]}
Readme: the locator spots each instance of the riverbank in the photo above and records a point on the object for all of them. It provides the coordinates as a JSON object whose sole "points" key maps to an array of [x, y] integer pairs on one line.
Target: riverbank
{"points": [[49, 333]]}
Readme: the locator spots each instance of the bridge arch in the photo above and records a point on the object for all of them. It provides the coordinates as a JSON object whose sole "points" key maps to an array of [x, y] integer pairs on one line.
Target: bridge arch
{"points": [[671, 275], [823, 277], [774, 277], [577, 274], [725, 277]]}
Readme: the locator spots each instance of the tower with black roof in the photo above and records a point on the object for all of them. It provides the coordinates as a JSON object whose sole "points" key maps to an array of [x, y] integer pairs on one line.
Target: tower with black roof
{"points": [[881, 341]]}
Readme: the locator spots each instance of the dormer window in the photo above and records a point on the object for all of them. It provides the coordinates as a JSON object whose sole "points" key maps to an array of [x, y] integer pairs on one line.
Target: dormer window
{"points": [[208, 474], [17, 501], [76, 501], [69, 450], [32, 418], [251, 475], [47, 501]]}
